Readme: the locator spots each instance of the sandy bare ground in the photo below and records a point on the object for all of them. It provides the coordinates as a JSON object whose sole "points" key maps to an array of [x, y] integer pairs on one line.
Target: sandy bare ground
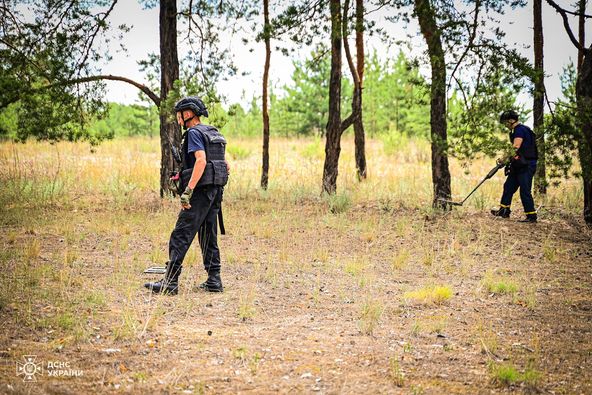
{"points": [[314, 302]]}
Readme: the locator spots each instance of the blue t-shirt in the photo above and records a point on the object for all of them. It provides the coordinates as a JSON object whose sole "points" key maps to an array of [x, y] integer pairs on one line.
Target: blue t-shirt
{"points": [[527, 136], [194, 143]]}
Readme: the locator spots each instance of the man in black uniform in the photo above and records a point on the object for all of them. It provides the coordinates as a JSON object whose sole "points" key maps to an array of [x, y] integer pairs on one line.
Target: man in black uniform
{"points": [[204, 173], [521, 168]]}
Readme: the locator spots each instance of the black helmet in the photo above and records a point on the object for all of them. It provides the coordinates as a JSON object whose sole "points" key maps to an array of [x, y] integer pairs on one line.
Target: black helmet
{"points": [[507, 115], [194, 104]]}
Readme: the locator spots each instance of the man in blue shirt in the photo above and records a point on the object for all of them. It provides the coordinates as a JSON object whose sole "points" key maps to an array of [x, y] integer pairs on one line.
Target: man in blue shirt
{"points": [[522, 168], [200, 204]]}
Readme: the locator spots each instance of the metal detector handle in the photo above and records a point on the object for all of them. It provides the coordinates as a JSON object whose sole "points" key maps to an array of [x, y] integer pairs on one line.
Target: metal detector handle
{"points": [[495, 170]]}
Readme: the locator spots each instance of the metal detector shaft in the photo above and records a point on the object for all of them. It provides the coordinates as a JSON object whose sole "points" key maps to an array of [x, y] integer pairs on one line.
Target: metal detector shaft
{"points": [[487, 177]]}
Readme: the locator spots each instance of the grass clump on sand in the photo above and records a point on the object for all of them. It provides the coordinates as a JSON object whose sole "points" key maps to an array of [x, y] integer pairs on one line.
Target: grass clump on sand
{"points": [[499, 285], [506, 374], [430, 295]]}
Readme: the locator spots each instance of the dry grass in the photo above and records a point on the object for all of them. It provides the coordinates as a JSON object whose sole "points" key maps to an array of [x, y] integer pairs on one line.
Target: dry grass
{"points": [[322, 294]]}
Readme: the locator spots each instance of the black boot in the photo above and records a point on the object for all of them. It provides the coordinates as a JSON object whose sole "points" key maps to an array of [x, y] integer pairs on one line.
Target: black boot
{"points": [[503, 212], [169, 284], [530, 218], [212, 284]]}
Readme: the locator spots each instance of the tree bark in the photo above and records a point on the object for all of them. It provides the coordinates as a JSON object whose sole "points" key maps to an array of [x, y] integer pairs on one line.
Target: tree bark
{"points": [[584, 101], [438, 125], [539, 97], [265, 158], [169, 73], [581, 32], [359, 134], [333, 134], [584, 104]]}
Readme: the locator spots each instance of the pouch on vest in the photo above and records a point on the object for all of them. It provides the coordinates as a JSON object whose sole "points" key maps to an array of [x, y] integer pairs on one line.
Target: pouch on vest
{"points": [[220, 172], [215, 171]]}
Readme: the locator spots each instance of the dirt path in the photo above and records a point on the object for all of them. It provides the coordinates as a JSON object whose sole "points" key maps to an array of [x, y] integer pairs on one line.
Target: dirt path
{"points": [[314, 302]]}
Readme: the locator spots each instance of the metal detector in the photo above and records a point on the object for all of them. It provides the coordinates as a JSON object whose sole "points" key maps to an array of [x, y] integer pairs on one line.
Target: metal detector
{"points": [[156, 270], [487, 177]]}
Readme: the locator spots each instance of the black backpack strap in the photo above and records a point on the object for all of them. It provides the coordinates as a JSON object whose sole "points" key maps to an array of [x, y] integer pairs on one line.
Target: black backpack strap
{"points": [[221, 221], [220, 215]]}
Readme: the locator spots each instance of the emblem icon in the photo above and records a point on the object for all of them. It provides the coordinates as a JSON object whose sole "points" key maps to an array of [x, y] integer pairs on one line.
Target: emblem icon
{"points": [[28, 369]]}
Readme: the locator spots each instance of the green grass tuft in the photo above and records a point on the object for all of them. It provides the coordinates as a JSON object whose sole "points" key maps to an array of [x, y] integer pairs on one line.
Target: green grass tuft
{"points": [[430, 295]]}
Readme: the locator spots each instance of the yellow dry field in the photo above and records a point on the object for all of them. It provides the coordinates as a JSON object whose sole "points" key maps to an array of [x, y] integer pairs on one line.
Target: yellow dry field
{"points": [[368, 291]]}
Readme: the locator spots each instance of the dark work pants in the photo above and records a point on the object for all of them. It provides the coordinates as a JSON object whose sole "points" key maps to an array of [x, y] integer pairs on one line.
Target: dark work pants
{"points": [[200, 219], [520, 179]]}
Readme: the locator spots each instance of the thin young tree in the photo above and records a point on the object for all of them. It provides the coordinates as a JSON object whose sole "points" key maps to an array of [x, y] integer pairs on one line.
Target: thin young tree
{"points": [[359, 134], [538, 106], [265, 104]]}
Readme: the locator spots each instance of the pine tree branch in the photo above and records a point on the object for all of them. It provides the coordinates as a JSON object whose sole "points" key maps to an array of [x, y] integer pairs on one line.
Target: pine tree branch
{"points": [[153, 96], [563, 14]]}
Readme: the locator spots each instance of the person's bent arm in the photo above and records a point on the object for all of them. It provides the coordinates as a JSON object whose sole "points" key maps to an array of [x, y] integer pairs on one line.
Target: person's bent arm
{"points": [[518, 142], [198, 168]]}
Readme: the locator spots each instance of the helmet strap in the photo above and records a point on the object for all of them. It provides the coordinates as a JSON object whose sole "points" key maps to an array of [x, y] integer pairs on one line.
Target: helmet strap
{"points": [[187, 120]]}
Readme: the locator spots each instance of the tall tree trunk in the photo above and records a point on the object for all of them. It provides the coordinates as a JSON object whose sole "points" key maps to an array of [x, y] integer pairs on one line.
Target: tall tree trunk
{"points": [[584, 101], [438, 126], [265, 111], [169, 72], [539, 97], [581, 32], [333, 135], [359, 134]]}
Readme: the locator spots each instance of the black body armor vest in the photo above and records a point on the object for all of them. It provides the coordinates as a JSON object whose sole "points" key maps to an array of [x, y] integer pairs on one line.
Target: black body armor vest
{"points": [[215, 172], [531, 152]]}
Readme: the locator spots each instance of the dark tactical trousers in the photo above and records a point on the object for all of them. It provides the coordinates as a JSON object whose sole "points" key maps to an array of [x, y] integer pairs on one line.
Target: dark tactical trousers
{"points": [[202, 219], [520, 179]]}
